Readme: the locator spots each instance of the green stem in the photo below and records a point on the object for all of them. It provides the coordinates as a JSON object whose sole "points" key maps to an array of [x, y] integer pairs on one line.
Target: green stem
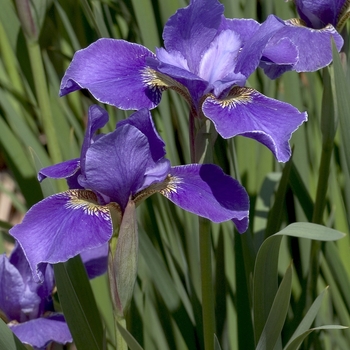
{"points": [[120, 342], [202, 153], [192, 138], [207, 283], [44, 103], [328, 128]]}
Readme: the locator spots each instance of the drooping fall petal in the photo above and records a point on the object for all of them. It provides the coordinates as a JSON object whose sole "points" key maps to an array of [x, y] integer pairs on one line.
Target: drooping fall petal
{"points": [[111, 70], [247, 112], [40, 332], [62, 226], [207, 191]]}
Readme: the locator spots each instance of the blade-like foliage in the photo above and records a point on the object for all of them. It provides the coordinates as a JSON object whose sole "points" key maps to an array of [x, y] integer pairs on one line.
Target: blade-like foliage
{"points": [[259, 300]]}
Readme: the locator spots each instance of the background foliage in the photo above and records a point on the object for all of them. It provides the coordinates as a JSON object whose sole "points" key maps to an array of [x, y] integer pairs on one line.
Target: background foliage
{"points": [[268, 286]]}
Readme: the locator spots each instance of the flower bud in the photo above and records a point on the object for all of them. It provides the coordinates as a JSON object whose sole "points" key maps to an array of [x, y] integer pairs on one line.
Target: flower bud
{"points": [[25, 16], [123, 262]]}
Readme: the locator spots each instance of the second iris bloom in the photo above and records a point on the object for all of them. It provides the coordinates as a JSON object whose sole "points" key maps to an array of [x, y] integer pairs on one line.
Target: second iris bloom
{"points": [[123, 166]]}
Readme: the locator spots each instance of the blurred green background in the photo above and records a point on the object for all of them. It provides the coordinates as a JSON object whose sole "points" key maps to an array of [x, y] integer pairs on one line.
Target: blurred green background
{"points": [[37, 128]]}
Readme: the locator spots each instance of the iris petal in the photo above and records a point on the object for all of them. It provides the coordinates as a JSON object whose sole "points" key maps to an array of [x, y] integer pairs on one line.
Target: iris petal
{"points": [[218, 62], [271, 40], [206, 191], [11, 289], [191, 29], [62, 226], [123, 155], [110, 70], [249, 58], [317, 14], [29, 299], [279, 58], [42, 331], [61, 170], [95, 260], [244, 27], [157, 173], [97, 118], [174, 58], [71, 169], [189, 85], [247, 112], [314, 46], [142, 120]]}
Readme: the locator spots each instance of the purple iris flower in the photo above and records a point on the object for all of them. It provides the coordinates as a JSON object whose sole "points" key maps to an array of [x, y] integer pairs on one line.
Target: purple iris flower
{"points": [[303, 45], [318, 14], [28, 305], [202, 50], [125, 165]]}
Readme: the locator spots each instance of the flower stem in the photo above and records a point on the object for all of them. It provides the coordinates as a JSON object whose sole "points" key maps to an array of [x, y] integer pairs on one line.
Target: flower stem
{"points": [[328, 128], [120, 342], [192, 137], [202, 153], [207, 283]]}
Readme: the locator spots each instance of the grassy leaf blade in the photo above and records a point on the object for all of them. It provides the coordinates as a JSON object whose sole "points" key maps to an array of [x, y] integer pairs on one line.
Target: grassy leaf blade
{"points": [[342, 89], [295, 344], [130, 340], [311, 231], [265, 282], [277, 315], [306, 323], [78, 304], [8, 340]]}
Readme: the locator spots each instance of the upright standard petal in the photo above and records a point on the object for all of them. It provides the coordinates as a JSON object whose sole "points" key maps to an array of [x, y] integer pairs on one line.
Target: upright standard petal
{"points": [[155, 173], [142, 120], [116, 164], [218, 61], [191, 29], [247, 112], [157, 167], [206, 191], [40, 332], [97, 119], [71, 169], [111, 70], [244, 27], [62, 226]]}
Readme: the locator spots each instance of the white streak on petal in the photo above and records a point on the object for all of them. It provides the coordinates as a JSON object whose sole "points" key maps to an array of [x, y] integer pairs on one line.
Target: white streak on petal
{"points": [[220, 58]]}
